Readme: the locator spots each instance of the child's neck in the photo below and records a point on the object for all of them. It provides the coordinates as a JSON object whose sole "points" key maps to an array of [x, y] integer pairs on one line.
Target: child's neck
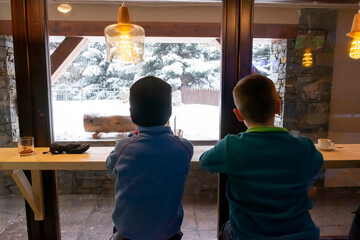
{"points": [[269, 123]]}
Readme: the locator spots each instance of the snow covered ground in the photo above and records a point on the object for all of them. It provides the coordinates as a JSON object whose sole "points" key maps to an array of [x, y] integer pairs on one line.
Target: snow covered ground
{"points": [[199, 122]]}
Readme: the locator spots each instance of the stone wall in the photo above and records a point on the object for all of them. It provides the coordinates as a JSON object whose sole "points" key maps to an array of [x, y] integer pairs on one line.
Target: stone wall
{"points": [[9, 128], [307, 90], [278, 52], [199, 183]]}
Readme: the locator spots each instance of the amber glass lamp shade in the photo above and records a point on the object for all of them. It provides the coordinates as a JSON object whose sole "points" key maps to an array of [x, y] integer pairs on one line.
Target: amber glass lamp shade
{"points": [[307, 59], [355, 33], [124, 41]]}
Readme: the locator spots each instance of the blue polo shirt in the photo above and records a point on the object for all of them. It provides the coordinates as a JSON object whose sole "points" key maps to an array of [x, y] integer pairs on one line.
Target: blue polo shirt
{"points": [[151, 169], [268, 172]]}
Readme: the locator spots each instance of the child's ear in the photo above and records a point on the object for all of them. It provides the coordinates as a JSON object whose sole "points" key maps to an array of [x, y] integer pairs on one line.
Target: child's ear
{"points": [[238, 114], [278, 106]]}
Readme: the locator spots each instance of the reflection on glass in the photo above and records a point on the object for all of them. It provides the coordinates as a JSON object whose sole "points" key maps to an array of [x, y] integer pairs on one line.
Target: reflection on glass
{"points": [[319, 92]]}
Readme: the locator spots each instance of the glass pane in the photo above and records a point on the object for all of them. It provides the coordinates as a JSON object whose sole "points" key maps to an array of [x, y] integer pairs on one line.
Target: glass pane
{"points": [[91, 87], [86, 85], [185, 52], [12, 208], [304, 49]]}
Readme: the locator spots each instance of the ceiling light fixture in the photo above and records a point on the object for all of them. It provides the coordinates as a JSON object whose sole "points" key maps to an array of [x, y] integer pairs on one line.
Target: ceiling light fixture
{"points": [[64, 8], [355, 34], [124, 41]]}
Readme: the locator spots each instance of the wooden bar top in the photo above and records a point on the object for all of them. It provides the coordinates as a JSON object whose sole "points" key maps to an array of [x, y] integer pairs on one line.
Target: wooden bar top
{"points": [[92, 159], [343, 156]]}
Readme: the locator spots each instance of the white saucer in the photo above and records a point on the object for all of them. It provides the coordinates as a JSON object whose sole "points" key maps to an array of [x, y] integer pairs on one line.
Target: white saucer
{"points": [[327, 149]]}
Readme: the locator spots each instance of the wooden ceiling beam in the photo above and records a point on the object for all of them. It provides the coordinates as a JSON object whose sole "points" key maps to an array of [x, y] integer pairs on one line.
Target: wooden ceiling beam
{"points": [[152, 29], [160, 29]]}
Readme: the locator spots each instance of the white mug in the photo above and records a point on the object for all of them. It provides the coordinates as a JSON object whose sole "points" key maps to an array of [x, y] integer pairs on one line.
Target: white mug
{"points": [[325, 143]]}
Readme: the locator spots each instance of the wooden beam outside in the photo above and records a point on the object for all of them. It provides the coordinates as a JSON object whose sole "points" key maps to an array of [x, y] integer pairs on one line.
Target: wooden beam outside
{"points": [[65, 54]]}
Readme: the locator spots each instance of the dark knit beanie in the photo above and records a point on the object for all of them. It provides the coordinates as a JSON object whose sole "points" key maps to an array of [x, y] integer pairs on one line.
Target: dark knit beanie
{"points": [[150, 102]]}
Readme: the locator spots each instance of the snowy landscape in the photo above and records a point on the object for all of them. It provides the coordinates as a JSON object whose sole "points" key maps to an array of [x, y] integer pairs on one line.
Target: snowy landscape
{"points": [[91, 84], [198, 122]]}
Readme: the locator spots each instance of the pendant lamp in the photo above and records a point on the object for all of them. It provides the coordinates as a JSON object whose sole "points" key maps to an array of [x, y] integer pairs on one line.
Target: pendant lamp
{"points": [[64, 8], [355, 34], [124, 41], [307, 60]]}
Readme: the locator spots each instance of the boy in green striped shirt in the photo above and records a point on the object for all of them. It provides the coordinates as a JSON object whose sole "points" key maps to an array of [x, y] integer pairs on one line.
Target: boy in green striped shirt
{"points": [[269, 171]]}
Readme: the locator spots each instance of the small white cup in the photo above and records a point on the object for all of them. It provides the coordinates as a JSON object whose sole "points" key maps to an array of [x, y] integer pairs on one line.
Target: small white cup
{"points": [[325, 143]]}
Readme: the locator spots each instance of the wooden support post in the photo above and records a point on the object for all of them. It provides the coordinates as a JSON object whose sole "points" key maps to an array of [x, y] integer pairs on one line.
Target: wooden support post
{"points": [[32, 193], [32, 69], [236, 44]]}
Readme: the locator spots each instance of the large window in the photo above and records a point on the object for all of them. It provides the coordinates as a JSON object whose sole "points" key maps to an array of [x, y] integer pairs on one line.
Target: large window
{"points": [[305, 51], [93, 87]]}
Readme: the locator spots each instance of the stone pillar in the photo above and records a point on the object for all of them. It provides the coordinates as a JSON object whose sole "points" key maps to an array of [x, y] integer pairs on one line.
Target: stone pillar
{"points": [[9, 129], [307, 90], [278, 54]]}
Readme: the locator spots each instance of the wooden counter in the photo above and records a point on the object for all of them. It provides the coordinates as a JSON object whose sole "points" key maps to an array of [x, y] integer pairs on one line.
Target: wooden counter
{"points": [[92, 159], [343, 156]]}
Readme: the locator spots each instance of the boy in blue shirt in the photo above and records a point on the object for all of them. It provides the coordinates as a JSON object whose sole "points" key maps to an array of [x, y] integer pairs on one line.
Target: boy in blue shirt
{"points": [[269, 171], [151, 168]]}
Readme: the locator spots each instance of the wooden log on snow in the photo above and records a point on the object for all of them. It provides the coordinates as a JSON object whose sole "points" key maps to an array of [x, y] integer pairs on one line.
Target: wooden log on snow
{"points": [[108, 123]]}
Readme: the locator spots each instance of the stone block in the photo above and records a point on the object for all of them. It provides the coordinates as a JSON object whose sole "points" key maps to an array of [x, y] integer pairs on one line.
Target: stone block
{"points": [[4, 94], [2, 40], [283, 45], [292, 74], [324, 59], [3, 53], [290, 80], [9, 43], [311, 91], [4, 81], [275, 47], [289, 88], [282, 75], [304, 79], [325, 86], [4, 115], [321, 70], [295, 53], [11, 68], [5, 138], [326, 79], [291, 109], [3, 70], [317, 113]]}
